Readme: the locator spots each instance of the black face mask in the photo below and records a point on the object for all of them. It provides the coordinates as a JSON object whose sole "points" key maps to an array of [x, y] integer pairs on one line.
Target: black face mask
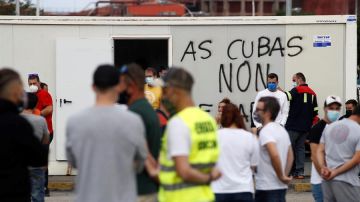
{"points": [[170, 108], [123, 97], [348, 113]]}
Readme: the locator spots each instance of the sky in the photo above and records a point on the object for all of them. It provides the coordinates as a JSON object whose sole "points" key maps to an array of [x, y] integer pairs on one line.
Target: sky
{"points": [[64, 5]]}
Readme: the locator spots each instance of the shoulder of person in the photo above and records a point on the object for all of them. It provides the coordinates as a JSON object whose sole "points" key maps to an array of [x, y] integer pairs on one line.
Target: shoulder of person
{"points": [[44, 93], [22, 124], [281, 94]]}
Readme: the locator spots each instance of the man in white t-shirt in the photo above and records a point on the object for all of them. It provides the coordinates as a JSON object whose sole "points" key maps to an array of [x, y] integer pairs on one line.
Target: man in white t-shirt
{"points": [[272, 90], [276, 155], [338, 156], [332, 107]]}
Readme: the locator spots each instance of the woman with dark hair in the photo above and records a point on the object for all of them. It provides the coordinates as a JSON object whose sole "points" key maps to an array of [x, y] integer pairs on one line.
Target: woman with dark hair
{"points": [[238, 157], [221, 105]]}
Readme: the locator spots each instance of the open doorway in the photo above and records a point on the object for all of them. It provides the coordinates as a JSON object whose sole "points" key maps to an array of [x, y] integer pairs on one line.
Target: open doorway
{"points": [[144, 51]]}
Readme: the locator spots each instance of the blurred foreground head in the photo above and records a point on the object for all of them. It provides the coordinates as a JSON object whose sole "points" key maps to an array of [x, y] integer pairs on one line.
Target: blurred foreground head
{"points": [[177, 89], [106, 80], [11, 86]]}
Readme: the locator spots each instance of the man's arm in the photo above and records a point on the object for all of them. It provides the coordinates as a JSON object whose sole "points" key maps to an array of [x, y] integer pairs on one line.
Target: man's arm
{"points": [[354, 161], [189, 174], [289, 161], [320, 155], [316, 109], [276, 162], [45, 139], [46, 101], [142, 152], [284, 112], [314, 147], [47, 110]]}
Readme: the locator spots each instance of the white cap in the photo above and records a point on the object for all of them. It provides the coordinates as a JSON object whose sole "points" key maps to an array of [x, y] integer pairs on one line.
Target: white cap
{"points": [[333, 99]]}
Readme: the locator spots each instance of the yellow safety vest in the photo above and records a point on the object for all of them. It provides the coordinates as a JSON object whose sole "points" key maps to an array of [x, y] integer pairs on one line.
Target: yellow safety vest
{"points": [[203, 156]]}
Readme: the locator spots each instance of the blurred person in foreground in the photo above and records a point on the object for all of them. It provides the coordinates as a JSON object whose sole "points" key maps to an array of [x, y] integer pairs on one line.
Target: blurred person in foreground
{"points": [[338, 156], [332, 107], [132, 86], [239, 155], [106, 144], [19, 148], [276, 155], [189, 148], [37, 174]]}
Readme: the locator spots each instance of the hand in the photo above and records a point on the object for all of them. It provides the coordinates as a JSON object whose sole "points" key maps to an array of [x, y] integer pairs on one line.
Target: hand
{"points": [[325, 172], [330, 174], [215, 174], [285, 179], [152, 166]]}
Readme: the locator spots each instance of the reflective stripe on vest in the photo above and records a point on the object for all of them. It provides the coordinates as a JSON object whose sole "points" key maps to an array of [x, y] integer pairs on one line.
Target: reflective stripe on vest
{"points": [[203, 156], [199, 166]]}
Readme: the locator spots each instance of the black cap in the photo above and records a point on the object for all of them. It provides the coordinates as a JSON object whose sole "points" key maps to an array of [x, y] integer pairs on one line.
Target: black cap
{"points": [[105, 77]]}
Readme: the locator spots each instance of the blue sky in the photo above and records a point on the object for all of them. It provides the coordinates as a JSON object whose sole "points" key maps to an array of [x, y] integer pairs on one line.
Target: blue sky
{"points": [[63, 5]]}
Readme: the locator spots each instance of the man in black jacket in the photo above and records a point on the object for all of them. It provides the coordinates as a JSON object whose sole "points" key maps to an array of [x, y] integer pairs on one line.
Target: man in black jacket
{"points": [[303, 114], [19, 148]]}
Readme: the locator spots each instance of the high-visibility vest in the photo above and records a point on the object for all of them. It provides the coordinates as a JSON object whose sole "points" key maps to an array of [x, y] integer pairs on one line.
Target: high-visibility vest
{"points": [[203, 156]]}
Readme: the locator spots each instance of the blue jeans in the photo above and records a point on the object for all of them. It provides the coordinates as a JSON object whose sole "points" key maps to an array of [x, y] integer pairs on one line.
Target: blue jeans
{"points": [[317, 192], [235, 197], [270, 195], [37, 176]]}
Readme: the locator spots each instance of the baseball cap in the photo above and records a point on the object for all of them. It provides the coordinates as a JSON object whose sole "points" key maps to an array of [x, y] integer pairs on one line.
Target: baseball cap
{"points": [[106, 76], [333, 99]]}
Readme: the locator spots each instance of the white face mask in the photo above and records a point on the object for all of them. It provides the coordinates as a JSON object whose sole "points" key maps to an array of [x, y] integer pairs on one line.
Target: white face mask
{"points": [[294, 84], [33, 89], [149, 80]]}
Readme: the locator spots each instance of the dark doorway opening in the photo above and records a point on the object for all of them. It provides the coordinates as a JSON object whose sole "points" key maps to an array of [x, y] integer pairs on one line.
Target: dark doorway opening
{"points": [[146, 52]]}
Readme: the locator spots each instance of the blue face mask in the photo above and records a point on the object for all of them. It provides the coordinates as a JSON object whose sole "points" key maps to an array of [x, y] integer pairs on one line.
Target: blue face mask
{"points": [[333, 115], [272, 87]]}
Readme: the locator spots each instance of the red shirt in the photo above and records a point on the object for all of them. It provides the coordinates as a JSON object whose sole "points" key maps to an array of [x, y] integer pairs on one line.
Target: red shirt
{"points": [[44, 100]]}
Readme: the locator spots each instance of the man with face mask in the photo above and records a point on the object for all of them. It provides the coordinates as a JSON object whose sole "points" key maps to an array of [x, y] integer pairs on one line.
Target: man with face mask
{"points": [[338, 156], [350, 106], [332, 107], [152, 91], [132, 82], [19, 148], [303, 113], [273, 91], [45, 106], [189, 150], [276, 156]]}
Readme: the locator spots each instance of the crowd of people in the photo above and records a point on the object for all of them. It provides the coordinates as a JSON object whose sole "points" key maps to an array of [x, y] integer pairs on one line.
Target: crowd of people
{"points": [[144, 140]]}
